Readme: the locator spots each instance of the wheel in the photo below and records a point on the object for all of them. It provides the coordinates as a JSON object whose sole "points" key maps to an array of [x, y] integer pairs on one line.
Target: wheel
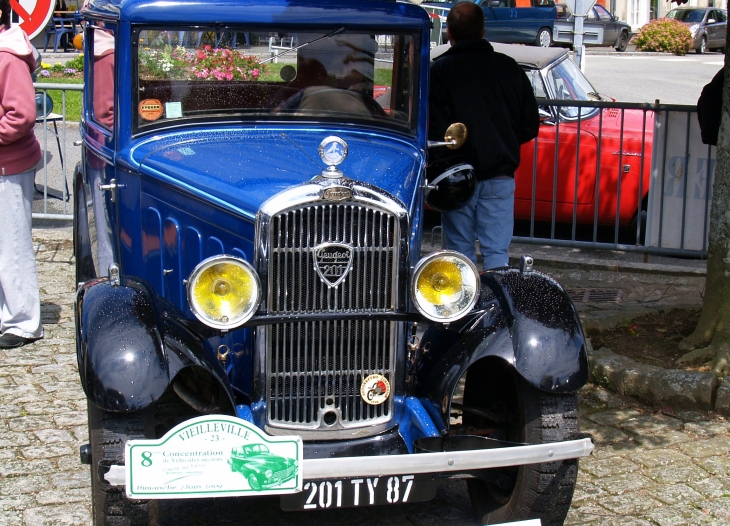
{"points": [[544, 37], [254, 482], [703, 46], [542, 491], [108, 433], [623, 42]]}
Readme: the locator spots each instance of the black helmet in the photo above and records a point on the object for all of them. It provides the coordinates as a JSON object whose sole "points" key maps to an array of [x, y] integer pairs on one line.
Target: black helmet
{"points": [[451, 184]]}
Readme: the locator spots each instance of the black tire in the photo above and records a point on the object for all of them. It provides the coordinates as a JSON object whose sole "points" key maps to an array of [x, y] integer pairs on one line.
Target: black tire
{"points": [[544, 37], [541, 491], [623, 42], [703, 46], [108, 433]]}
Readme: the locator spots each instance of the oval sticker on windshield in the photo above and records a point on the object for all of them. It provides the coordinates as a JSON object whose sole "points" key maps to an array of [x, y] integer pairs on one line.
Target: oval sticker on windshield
{"points": [[150, 109]]}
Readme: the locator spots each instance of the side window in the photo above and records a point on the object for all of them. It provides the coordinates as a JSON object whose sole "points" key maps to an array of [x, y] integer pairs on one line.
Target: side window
{"points": [[102, 75], [592, 16], [538, 88], [604, 15]]}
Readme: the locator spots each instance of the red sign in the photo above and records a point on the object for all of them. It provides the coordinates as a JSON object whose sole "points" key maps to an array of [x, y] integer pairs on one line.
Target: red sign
{"points": [[33, 21]]}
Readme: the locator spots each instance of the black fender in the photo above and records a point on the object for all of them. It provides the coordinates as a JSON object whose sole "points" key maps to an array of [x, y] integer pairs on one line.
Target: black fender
{"points": [[129, 350], [525, 319]]}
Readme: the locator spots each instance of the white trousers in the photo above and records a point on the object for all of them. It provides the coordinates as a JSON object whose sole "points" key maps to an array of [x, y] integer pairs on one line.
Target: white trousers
{"points": [[19, 295]]}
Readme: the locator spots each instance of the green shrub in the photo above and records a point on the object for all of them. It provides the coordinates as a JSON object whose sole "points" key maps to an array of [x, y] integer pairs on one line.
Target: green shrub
{"points": [[664, 34]]}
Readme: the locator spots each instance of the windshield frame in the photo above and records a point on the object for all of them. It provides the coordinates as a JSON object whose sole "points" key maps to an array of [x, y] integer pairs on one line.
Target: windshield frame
{"points": [[406, 79], [579, 81]]}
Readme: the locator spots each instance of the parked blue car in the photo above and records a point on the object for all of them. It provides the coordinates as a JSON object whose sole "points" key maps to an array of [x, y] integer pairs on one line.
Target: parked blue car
{"points": [[508, 21], [248, 222]]}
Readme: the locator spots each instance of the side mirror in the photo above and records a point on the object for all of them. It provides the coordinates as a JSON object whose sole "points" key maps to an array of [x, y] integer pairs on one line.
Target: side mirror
{"points": [[494, 3], [43, 105], [711, 21], [545, 116], [454, 138]]}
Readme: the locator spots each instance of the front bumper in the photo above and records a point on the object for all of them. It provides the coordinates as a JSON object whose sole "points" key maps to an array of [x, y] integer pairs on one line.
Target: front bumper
{"points": [[443, 462]]}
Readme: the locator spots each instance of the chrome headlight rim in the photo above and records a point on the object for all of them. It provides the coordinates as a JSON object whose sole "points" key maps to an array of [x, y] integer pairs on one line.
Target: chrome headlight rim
{"points": [[422, 263], [202, 267]]}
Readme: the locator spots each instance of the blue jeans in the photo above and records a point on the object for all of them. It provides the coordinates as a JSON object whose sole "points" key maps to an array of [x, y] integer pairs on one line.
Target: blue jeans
{"points": [[488, 217]]}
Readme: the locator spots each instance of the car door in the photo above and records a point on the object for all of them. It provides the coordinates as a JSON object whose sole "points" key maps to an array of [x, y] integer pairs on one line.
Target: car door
{"points": [[716, 30], [560, 164], [610, 27]]}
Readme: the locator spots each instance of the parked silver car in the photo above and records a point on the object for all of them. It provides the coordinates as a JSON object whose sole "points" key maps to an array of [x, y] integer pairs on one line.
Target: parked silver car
{"points": [[708, 26]]}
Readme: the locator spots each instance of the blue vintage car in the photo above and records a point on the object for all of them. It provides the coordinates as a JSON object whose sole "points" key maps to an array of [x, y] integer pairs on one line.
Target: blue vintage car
{"points": [[248, 223], [506, 21]]}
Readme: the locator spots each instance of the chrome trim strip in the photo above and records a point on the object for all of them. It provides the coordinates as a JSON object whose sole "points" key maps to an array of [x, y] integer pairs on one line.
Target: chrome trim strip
{"points": [[449, 462]]}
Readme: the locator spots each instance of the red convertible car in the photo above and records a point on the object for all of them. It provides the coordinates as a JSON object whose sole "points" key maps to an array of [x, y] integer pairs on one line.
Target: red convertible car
{"points": [[591, 162]]}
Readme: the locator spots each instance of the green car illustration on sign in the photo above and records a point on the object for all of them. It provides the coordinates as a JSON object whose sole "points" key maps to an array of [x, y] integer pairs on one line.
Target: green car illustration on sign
{"points": [[261, 468]]}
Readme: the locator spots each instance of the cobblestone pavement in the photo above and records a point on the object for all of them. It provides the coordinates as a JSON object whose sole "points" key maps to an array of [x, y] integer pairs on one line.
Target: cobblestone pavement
{"points": [[649, 468]]}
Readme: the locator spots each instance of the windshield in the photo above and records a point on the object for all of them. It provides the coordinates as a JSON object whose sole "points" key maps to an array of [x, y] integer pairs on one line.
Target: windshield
{"points": [[566, 82], [333, 75], [687, 15]]}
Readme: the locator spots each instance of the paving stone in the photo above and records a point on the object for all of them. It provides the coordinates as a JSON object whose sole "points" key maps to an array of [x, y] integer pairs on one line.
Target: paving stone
{"points": [[11, 518], [719, 508], [604, 434], [77, 479], [649, 424], [676, 494], [711, 488], [610, 466], [68, 515], [16, 502], [65, 496], [704, 428], [615, 417], [23, 485], [707, 448], [624, 482], [65, 420], [653, 459], [630, 504], [16, 467], [53, 436], [718, 466], [676, 474], [662, 439], [46, 451], [680, 515], [10, 439]]}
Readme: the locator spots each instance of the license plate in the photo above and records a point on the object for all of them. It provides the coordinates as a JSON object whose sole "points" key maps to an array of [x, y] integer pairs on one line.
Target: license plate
{"points": [[360, 492]]}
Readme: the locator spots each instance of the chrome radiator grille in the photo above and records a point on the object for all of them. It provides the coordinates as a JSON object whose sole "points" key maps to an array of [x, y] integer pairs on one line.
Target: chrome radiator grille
{"points": [[315, 369], [295, 285]]}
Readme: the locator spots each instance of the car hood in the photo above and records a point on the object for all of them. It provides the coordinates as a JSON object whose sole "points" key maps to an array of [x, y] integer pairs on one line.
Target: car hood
{"points": [[244, 168]]}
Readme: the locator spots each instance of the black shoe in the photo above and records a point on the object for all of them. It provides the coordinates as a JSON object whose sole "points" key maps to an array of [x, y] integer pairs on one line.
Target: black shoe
{"points": [[10, 341]]}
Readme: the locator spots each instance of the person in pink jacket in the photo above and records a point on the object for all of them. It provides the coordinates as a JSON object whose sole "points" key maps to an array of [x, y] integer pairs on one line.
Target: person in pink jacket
{"points": [[20, 309]]}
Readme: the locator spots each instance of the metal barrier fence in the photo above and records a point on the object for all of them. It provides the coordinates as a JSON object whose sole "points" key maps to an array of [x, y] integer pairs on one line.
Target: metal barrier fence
{"points": [[54, 129], [617, 176], [603, 175]]}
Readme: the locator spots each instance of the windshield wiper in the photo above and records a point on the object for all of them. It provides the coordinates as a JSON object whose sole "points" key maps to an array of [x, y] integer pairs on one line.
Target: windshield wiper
{"points": [[595, 95], [328, 35]]}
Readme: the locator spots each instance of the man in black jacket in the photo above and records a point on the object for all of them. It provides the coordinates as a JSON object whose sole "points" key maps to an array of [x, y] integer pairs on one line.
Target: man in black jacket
{"points": [[490, 93]]}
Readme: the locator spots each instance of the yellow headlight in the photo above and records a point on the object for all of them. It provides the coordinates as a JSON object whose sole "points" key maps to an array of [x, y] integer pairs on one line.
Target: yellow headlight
{"points": [[224, 292], [445, 286]]}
